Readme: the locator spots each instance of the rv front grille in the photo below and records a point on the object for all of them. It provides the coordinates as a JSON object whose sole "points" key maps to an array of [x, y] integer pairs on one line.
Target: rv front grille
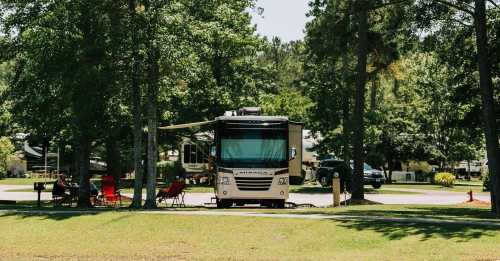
{"points": [[253, 184]]}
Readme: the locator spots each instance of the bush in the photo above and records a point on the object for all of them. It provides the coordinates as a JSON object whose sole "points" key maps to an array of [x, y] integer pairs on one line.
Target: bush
{"points": [[6, 149], [486, 182], [444, 179], [171, 170]]}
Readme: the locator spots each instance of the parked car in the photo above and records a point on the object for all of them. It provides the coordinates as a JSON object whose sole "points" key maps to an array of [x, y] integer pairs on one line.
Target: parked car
{"points": [[372, 176], [328, 168]]}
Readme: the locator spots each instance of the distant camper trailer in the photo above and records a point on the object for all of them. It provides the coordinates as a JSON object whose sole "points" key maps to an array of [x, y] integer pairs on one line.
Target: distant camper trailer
{"points": [[195, 154], [474, 167]]}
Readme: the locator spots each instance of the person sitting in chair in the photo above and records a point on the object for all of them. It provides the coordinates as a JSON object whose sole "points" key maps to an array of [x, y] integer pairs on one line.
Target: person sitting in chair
{"points": [[59, 188], [94, 192]]}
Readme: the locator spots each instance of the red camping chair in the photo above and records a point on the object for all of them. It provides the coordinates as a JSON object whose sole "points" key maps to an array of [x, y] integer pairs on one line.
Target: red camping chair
{"points": [[109, 193], [175, 191]]}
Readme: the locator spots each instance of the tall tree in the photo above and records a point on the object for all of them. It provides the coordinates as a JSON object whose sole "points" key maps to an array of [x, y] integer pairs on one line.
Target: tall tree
{"points": [[490, 121], [133, 7], [152, 10], [478, 13], [361, 9]]}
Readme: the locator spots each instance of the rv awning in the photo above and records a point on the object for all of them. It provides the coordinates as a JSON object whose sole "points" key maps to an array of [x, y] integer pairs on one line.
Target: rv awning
{"points": [[185, 126]]}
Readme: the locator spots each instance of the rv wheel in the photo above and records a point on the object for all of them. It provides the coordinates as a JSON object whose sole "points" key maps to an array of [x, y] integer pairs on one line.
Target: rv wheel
{"points": [[279, 204], [224, 203]]}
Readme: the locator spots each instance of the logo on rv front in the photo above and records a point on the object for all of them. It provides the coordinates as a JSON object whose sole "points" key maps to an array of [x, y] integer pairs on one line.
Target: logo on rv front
{"points": [[252, 172]]}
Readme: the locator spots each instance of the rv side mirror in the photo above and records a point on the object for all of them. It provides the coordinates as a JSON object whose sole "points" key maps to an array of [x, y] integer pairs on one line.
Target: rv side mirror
{"points": [[293, 153]]}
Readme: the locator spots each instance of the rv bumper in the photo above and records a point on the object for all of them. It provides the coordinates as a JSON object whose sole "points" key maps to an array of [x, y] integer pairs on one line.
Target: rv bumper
{"points": [[253, 188]]}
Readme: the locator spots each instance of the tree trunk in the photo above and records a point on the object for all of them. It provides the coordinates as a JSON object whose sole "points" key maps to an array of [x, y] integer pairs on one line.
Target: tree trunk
{"points": [[395, 88], [75, 168], [359, 108], [153, 78], [346, 111], [489, 113], [346, 131], [136, 109], [373, 95], [152, 136], [493, 198], [391, 168], [113, 160], [84, 164], [468, 170]]}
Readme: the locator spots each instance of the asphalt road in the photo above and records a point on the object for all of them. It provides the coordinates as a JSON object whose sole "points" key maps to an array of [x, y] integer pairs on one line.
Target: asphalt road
{"points": [[429, 197]]}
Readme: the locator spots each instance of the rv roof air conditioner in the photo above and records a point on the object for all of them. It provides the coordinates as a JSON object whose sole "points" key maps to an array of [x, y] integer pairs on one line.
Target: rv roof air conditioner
{"points": [[250, 111]]}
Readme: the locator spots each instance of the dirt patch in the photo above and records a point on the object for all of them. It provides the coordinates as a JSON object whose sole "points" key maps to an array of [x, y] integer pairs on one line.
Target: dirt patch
{"points": [[476, 203], [359, 202]]}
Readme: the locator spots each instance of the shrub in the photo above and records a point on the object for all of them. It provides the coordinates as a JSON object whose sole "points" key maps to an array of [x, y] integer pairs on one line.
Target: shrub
{"points": [[486, 182], [171, 170], [6, 149], [444, 179]]}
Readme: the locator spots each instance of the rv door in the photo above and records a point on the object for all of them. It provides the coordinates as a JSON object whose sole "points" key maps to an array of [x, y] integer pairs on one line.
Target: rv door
{"points": [[295, 143]]}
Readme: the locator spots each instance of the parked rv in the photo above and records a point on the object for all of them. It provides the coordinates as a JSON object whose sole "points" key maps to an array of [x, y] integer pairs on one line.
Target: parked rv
{"points": [[256, 157]]}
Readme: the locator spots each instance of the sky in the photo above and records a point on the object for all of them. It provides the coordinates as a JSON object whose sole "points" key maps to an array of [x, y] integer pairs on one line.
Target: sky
{"points": [[283, 18]]}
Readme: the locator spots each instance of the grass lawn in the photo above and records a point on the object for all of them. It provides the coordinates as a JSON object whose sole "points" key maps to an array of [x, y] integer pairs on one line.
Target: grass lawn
{"points": [[460, 187], [133, 236], [446, 212], [16, 181]]}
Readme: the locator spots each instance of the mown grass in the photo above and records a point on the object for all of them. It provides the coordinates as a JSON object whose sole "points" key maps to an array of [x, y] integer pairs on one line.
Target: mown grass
{"points": [[463, 211], [446, 212], [17, 181], [460, 187], [134, 236]]}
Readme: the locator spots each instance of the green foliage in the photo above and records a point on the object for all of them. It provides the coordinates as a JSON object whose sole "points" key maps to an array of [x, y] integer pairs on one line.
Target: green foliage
{"points": [[171, 170], [444, 179], [6, 149], [486, 181], [6, 123], [287, 103]]}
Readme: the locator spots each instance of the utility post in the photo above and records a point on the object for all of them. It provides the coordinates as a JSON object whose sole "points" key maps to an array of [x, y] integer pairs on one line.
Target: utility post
{"points": [[336, 189]]}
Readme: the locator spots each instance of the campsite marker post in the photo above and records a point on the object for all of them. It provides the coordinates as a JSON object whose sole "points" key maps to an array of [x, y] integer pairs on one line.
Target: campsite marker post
{"points": [[336, 189]]}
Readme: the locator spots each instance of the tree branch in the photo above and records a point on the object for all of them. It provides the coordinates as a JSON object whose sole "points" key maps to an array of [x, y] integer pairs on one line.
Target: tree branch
{"points": [[389, 3], [456, 6], [493, 3]]}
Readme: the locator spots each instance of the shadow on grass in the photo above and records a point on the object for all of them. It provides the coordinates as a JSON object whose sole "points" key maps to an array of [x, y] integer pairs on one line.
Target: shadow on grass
{"points": [[52, 214], [426, 212], [310, 190], [29, 209], [397, 231]]}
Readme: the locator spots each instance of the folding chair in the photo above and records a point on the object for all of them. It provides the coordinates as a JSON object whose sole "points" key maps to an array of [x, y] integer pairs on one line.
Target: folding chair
{"points": [[175, 192], [109, 193], [59, 198]]}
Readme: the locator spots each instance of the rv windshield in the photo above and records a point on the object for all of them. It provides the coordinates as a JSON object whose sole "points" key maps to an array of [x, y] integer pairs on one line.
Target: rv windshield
{"points": [[254, 148]]}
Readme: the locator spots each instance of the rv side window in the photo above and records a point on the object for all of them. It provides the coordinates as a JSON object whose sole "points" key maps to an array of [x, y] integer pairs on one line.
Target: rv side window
{"points": [[193, 154], [187, 153], [203, 154], [199, 154]]}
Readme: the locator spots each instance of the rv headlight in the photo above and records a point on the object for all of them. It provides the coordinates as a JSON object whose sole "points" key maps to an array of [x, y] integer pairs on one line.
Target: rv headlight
{"points": [[283, 181], [225, 181]]}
